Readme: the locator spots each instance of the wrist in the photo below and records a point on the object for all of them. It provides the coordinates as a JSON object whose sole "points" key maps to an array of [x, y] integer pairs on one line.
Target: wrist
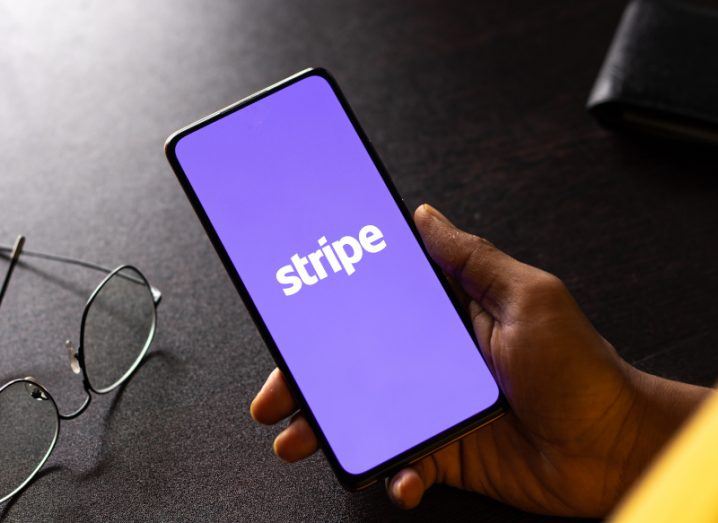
{"points": [[659, 408]]}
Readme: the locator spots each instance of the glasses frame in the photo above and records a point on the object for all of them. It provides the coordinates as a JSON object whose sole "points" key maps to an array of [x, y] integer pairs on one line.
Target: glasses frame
{"points": [[80, 349], [38, 468], [77, 356]]}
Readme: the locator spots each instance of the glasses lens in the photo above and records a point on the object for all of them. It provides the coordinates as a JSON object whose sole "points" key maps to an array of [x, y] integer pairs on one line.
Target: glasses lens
{"points": [[28, 430], [119, 327]]}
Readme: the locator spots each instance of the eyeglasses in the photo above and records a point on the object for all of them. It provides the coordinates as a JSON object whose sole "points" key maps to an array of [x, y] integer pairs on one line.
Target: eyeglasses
{"points": [[116, 331]]}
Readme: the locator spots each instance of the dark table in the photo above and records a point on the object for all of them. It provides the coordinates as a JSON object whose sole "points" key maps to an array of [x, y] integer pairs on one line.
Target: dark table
{"points": [[475, 107]]}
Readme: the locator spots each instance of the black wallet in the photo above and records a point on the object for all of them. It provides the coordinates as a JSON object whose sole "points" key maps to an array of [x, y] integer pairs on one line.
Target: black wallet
{"points": [[661, 72]]}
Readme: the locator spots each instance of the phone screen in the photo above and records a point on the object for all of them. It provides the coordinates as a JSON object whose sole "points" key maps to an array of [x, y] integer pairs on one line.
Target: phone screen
{"points": [[355, 309]]}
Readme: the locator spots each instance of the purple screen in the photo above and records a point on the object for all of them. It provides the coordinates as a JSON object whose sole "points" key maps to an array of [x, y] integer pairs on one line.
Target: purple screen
{"points": [[366, 328]]}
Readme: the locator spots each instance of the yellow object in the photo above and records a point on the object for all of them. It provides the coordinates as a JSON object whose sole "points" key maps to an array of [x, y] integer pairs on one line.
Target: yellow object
{"points": [[683, 484]]}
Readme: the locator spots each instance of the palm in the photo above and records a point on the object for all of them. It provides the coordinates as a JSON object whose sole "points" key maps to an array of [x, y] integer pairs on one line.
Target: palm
{"points": [[568, 398]]}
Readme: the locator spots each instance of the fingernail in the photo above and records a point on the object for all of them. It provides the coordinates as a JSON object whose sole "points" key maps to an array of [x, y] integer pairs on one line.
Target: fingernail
{"points": [[436, 214], [275, 448], [395, 491]]}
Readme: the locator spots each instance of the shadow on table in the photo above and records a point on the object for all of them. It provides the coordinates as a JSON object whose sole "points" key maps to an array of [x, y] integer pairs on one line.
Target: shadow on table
{"points": [[105, 457], [10, 503], [679, 162]]}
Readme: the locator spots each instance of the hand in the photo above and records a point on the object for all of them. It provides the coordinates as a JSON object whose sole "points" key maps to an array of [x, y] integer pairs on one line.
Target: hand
{"points": [[583, 423]]}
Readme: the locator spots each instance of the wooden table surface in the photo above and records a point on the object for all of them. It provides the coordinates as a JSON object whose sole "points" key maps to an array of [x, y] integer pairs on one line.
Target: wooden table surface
{"points": [[476, 107]]}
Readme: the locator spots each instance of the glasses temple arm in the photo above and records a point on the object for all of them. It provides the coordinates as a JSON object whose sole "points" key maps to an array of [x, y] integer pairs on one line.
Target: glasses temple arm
{"points": [[15, 251], [156, 294], [63, 259]]}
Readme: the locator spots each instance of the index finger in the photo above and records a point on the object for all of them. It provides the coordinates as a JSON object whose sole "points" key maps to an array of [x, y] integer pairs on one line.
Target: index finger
{"points": [[273, 402]]}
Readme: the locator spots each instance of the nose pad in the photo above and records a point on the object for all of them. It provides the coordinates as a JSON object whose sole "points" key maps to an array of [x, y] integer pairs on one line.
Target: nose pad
{"points": [[72, 353], [34, 391]]}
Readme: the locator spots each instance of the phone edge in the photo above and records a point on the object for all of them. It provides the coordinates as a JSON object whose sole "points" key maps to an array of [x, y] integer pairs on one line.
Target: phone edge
{"points": [[348, 480]]}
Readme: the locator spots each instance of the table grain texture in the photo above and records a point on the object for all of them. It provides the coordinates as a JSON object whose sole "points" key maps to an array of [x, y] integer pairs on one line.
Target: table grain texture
{"points": [[476, 107]]}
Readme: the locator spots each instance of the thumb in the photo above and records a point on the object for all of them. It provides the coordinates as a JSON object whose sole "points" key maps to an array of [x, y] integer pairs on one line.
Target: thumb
{"points": [[486, 274]]}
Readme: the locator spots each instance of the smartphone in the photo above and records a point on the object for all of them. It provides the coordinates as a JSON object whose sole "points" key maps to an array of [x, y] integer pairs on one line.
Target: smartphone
{"points": [[325, 255]]}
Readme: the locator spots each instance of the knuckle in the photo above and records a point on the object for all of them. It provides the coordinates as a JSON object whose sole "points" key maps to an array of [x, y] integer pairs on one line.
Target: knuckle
{"points": [[550, 283], [482, 243], [544, 290]]}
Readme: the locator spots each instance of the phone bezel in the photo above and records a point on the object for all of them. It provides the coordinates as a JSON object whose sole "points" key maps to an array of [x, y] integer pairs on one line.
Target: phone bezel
{"points": [[347, 479]]}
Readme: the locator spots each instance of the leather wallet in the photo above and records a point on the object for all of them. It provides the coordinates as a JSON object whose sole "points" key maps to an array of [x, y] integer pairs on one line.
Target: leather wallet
{"points": [[661, 72]]}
